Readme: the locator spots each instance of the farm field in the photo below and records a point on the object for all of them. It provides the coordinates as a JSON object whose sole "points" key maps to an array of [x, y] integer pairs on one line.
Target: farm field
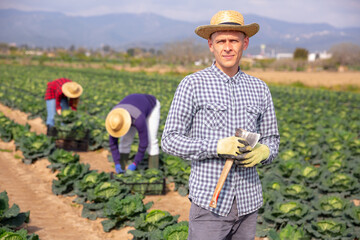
{"points": [[319, 154], [328, 80], [54, 217], [341, 81]]}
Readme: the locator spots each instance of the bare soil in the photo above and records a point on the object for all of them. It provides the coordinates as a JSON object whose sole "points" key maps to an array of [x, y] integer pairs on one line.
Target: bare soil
{"points": [[55, 217], [329, 80]]}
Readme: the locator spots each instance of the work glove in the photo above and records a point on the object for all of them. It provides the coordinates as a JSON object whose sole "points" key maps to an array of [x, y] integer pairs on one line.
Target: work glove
{"points": [[259, 153], [132, 167], [118, 168], [231, 147]]}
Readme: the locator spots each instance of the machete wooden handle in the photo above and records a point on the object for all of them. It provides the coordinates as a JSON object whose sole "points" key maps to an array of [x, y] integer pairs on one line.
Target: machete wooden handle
{"points": [[223, 176], [221, 181]]}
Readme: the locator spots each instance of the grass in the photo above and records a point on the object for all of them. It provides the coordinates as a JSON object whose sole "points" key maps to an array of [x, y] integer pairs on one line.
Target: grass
{"points": [[5, 150]]}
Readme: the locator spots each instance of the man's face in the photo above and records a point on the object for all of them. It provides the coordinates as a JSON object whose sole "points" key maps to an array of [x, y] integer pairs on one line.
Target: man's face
{"points": [[228, 47]]}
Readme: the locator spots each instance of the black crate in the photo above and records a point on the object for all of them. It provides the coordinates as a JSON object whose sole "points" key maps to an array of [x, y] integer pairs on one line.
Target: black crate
{"points": [[51, 131], [72, 135], [69, 143], [72, 145], [155, 188]]}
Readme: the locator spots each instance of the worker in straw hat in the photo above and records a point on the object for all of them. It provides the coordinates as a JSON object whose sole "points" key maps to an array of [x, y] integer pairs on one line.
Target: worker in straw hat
{"points": [[135, 113], [207, 108], [61, 94]]}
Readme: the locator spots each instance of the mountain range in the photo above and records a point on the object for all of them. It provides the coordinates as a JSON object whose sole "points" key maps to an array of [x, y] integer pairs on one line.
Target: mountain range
{"points": [[148, 30]]}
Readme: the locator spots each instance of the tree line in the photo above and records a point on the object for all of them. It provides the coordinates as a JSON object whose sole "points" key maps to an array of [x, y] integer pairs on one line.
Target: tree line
{"points": [[185, 53]]}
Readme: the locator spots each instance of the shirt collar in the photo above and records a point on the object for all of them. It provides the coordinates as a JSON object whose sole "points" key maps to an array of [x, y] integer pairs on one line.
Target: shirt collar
{"points": [[236, 78]]}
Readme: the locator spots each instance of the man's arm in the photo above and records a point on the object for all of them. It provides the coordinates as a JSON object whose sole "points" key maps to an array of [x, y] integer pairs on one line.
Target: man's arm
{"points": [[142, 128], [175, 139], [114, 148], [269, 129], [58, 96]]}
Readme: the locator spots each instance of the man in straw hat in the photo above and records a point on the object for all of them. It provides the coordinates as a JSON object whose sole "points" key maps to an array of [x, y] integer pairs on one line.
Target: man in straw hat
{"points": [[135, 113], [60, 94], [207, 108]]}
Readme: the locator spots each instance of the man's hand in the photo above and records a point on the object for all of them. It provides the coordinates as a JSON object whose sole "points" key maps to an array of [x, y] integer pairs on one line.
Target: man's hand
{"points": [[58, 111], [259, 153], [231, 147], [132, 167], [118, 169]]}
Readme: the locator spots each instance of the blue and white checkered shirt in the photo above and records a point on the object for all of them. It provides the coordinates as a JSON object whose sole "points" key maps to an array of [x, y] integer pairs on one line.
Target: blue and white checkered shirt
{"points": [[209, 105]]}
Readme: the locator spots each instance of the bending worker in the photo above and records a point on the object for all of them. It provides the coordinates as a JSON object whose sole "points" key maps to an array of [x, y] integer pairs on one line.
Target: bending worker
{"points": [[207, 108], [136, 112], [60, 94]]}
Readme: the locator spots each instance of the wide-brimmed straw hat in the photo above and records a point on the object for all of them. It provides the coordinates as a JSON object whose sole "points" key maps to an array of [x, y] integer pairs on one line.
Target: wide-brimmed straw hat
{"points": [[72, 89], [118, 122], [227, 20]]}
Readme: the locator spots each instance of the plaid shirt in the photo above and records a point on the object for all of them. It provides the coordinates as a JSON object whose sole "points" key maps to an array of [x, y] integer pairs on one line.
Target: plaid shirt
{"points": [[54, 90], [207, 106]]}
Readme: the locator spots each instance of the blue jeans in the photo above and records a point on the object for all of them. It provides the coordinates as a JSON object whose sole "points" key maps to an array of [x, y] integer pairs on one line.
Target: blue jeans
{"points": [[51, 109]]}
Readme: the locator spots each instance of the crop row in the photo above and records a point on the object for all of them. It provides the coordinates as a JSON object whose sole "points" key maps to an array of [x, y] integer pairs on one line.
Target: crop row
{"points": [[12, 221], [100, 194], [313, 182]]}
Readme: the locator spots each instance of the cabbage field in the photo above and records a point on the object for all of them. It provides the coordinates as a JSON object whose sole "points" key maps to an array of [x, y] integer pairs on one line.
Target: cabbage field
{"points": [[310, 189]]}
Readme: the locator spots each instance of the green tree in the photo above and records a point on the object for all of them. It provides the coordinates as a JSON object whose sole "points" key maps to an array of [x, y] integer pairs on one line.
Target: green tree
{"points": [[301, 53], [43, 58], [13, 50]]}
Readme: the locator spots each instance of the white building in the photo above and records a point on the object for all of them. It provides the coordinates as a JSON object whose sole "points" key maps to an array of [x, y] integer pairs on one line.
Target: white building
{"points": [[284, 55], [322, 55]]}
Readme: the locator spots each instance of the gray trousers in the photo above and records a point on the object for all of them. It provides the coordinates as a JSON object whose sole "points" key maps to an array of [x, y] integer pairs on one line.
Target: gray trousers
{"points": [[206, 225]]}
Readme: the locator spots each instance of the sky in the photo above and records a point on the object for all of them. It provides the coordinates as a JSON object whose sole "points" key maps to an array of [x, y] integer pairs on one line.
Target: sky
{"points": [[338, 13]]}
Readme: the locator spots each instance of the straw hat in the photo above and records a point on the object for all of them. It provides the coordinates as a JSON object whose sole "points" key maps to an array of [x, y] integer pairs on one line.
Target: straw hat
{"points": [[227, 20], [72, 89], [118, 122]]}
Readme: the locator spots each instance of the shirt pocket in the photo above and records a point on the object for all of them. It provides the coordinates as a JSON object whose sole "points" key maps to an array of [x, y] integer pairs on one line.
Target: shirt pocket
{"points": [[252, 118], [215, 115]]}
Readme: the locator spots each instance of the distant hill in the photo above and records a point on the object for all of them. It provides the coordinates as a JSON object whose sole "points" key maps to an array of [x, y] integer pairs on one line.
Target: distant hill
{"points": [[123, 30]]}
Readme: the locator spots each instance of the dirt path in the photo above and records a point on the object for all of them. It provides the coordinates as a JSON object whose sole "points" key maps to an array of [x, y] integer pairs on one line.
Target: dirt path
{"points": [[57, 217]]}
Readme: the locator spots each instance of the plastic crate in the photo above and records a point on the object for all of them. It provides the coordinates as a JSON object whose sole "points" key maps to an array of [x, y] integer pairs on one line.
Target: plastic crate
{"points": [[72, 145], [51, 132], [155, 188]]}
